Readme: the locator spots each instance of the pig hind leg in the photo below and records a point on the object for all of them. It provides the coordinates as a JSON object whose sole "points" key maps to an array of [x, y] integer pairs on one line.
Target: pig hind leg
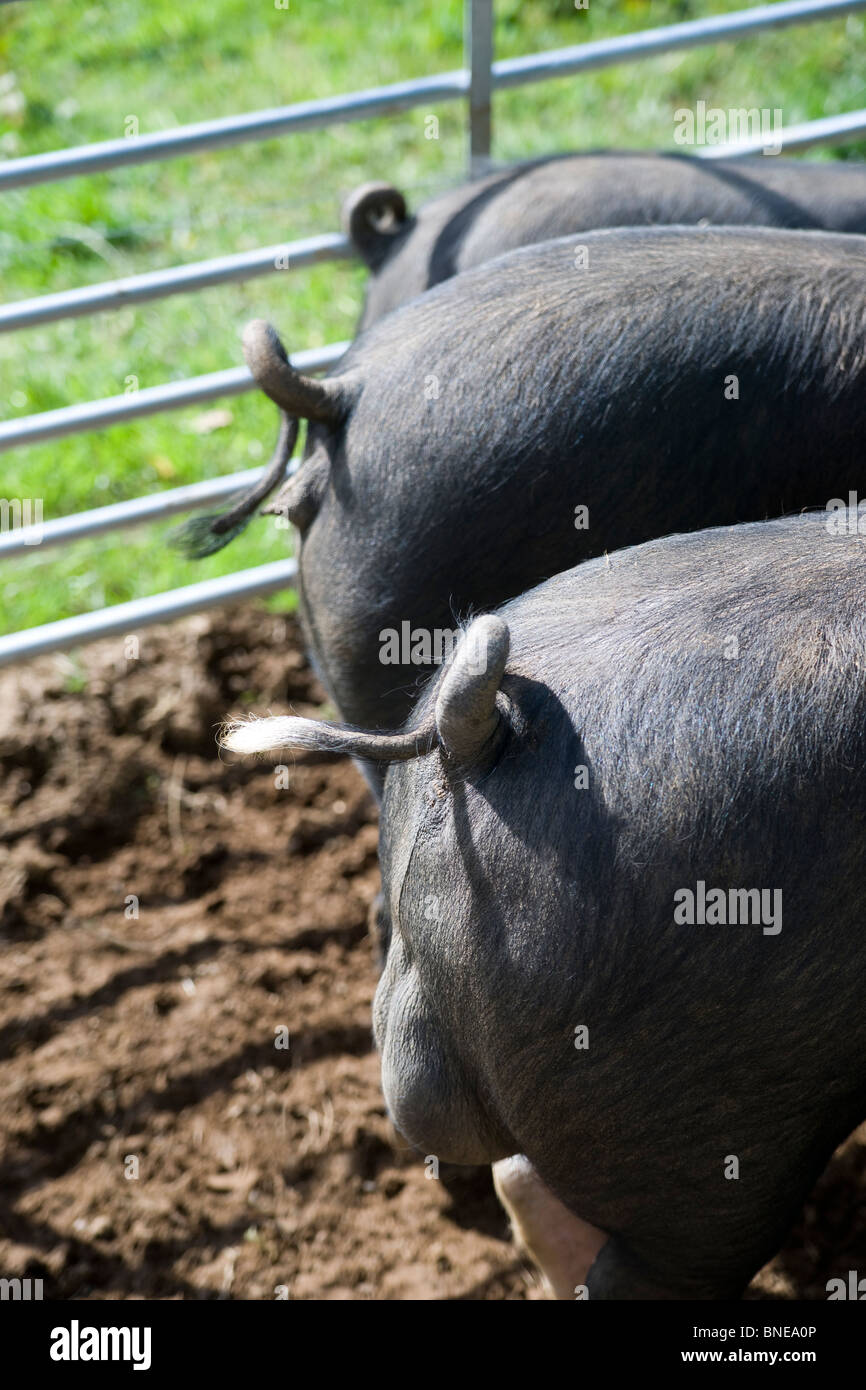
{"points": [[561, 1244], [577, 1259]]}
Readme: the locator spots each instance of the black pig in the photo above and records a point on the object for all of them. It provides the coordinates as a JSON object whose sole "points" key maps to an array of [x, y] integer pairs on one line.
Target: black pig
{"points": [[576, 193], [659, 1085]]}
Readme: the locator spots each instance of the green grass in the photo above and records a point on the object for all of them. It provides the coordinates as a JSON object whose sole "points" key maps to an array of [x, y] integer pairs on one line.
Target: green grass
{"points": [[81, 76]]}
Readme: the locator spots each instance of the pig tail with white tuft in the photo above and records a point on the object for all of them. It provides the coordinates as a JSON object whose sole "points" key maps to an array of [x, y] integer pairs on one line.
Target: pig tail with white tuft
{"points": [[314, 735], [467, 723]]}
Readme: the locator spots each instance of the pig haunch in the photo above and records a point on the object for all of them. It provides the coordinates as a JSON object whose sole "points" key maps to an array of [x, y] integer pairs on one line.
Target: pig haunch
{"points": [[677, 1087]]}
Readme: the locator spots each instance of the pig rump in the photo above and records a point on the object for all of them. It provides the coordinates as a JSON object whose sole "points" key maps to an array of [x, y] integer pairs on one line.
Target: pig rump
{"points": [[551, 911]]}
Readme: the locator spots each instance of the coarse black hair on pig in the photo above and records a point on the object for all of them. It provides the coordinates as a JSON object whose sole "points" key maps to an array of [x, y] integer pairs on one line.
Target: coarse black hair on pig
{"points": [[467, 721], [298, 397], [677, 273]]}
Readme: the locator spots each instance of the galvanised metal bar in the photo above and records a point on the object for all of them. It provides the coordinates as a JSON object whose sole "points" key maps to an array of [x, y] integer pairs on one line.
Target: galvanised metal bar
{"points": [[828, 130], [231, 130], [330, 246], [402, 96], [172, 395], [179, 279], [54, 424], [144, 612], [478, 43], [630, 48], [142, 510]]}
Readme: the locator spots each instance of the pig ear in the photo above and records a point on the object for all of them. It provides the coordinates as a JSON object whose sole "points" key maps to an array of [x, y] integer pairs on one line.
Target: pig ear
{"points": [[303, 397], [467, 716], [372, 216]]}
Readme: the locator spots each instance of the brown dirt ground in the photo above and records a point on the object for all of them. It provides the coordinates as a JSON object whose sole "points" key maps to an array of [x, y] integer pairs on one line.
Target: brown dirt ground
{"points": [[152, 1037]]}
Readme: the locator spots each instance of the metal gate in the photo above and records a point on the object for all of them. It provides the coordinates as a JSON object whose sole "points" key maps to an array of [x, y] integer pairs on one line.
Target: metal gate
{"points": [[475, 83]]}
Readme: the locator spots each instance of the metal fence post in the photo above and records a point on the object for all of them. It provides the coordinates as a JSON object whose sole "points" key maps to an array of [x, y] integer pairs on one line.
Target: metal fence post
{"points": [[478, 31]]}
